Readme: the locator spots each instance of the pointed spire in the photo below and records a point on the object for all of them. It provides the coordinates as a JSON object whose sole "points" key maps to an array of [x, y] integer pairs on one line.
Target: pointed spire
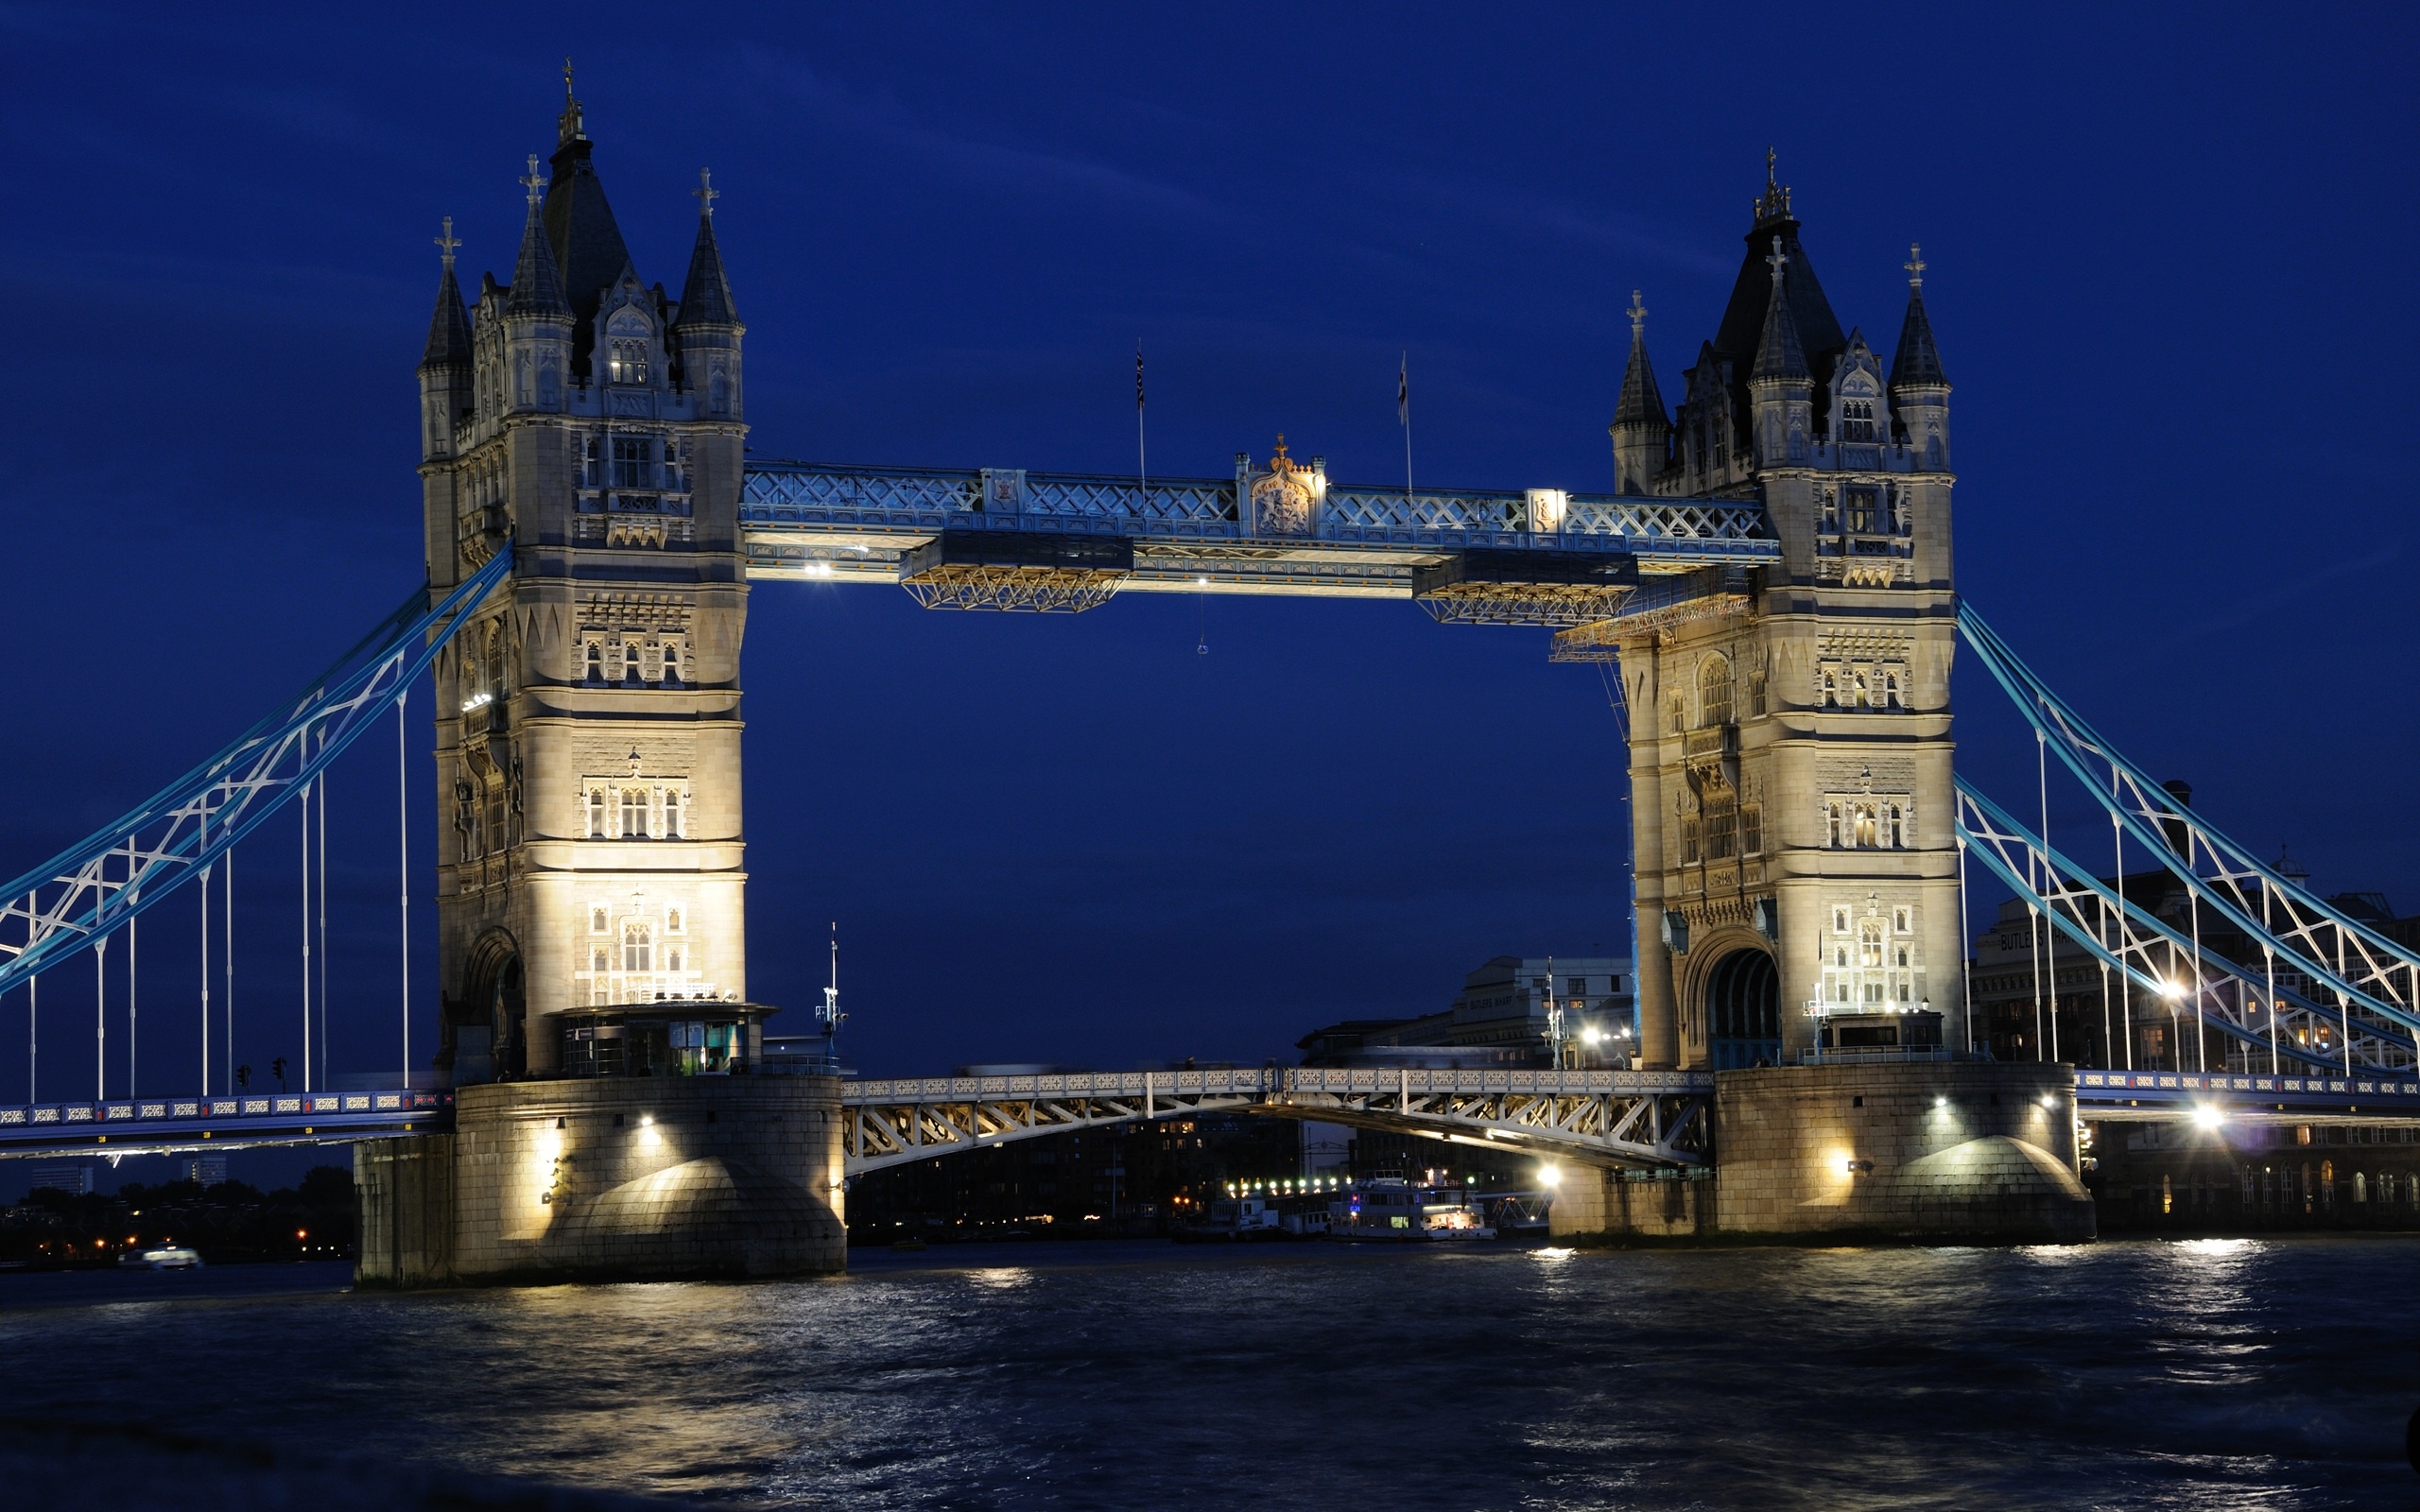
{"points": [[1642, 403], [1779, 355], [705, 295], [1917, 363], [449, 329], [1773, 204], [537, 287], [569, 127]]}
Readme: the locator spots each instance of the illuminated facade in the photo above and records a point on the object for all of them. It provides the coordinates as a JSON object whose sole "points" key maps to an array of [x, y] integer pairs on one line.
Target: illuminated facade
{"points": [[1790, 744], [588, 721]]}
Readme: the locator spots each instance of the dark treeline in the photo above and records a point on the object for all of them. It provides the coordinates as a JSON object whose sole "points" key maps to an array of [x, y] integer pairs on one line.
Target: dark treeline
{"points": [[318, 1218]]}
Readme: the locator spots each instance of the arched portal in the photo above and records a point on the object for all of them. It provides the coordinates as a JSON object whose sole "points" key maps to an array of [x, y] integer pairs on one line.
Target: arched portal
{"points": [[490, 1022], [1743, 1011]]}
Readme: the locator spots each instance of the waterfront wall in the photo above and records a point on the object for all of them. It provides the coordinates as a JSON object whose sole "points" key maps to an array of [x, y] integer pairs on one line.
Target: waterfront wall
{"points": [[1917, 1150], [612, 1178], [1648, 1204], [1949, 1151]]}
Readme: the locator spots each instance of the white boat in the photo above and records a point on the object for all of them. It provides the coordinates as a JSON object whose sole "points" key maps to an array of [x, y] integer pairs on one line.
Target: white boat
{"points": [[1388, 1209]]}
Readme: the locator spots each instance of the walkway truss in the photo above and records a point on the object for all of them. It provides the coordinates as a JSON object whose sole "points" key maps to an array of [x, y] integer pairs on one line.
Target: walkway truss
{"points": [[2327, 993], [1607, 1118], [1007, 539]]}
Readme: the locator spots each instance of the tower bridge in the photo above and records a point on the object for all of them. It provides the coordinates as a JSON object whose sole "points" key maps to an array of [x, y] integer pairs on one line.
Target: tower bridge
{"points": [[1772, 573]]}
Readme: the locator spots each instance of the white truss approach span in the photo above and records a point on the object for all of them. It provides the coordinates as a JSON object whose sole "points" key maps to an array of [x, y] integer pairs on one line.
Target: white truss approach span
{"points": [[1615, 1118]]}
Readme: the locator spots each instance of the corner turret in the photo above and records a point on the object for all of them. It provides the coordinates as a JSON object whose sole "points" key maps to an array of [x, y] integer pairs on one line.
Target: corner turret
{"points": [[706, 332], [1919, 388], [1642, 433], [445, 362], [1781, 388], [537, 318]]}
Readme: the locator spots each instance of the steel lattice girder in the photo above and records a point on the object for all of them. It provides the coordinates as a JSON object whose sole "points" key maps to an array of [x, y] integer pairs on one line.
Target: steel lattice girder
{"points": [[1362, 543], [1594, 1117], [78, 898], [2314, 937], [2154, 955]]}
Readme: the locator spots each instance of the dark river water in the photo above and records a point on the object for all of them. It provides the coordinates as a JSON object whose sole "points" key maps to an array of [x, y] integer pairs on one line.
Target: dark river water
{"points": [[2210, 1374]]}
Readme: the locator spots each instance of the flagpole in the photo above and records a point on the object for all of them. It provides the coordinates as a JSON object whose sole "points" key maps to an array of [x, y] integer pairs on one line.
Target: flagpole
{"points": [[1142, 468], [1403, 412]]}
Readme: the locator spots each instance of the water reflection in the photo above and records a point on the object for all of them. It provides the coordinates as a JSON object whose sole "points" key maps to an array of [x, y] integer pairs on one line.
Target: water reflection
{"points": [[2195, 1374]]}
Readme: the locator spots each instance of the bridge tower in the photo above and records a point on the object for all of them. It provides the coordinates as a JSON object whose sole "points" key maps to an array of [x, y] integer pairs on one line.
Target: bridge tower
{"points": [[588, 723], [1796, 866]]}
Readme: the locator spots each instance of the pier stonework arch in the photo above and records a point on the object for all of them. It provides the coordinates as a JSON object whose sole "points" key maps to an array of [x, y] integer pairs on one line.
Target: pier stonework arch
{"points": [[1741, 1004]]}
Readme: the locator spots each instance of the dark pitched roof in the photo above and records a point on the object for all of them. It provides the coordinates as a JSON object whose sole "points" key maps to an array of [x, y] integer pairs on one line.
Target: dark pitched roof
{"points": [[580, 228], [1918, 361], [537, 287], [449, 328], [1642, 403], [705, 295], [1743, 320], [1778, 352]]}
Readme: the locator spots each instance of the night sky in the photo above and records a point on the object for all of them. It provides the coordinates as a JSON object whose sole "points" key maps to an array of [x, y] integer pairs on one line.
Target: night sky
{"points": [[2171, 266]]}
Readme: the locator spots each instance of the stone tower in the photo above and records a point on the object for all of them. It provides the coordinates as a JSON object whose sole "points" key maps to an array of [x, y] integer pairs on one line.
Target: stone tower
{"points": [[1795, 850], [587, 719]]}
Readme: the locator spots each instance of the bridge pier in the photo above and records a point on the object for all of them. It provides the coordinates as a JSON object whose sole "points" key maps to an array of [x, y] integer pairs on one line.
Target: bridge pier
{"points": [[1928, 1151], [620, 1179]]}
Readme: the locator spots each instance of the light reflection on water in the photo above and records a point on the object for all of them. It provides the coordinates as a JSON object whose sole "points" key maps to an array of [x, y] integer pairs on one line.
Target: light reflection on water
{"points": [[2251, 1374]]}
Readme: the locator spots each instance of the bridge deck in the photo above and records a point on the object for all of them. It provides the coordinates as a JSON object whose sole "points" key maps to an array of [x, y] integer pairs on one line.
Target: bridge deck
{"points": [[153, 1126], [1559, 1109], [1190, 535]]}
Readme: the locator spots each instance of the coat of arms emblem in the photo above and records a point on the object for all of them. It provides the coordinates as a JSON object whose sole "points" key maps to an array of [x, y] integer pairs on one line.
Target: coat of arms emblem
{"points": [[1282, 497]]}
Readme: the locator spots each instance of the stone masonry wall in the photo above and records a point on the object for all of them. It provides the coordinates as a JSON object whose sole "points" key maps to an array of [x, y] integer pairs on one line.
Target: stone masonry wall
{"points": [[620, 1177], [1913, 1150]]}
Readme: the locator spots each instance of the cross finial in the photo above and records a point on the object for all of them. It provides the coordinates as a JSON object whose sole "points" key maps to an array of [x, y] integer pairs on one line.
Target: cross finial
{"points": [[446, 243], [1777, 260], [567, 95], [706, 194], [1915, 265], [1770, 157], [535, 183], [1637, 313]]}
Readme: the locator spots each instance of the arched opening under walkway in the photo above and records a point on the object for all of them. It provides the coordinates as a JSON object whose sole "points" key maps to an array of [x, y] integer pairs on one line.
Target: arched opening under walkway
{"points": [[1743, 1011]]}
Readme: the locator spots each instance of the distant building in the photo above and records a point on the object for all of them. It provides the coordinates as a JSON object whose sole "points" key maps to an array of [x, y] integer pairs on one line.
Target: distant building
{"points": [[206, 1170], [75, 1177], [1502, 1016]]}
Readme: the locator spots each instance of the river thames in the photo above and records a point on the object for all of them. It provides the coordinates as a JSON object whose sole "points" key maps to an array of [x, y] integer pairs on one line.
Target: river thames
{"points": [[2205, 1374]]}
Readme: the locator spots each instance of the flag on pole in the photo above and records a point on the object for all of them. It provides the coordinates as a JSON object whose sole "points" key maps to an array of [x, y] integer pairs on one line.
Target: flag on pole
{"points": [[1403, 392], [1138, 372]]}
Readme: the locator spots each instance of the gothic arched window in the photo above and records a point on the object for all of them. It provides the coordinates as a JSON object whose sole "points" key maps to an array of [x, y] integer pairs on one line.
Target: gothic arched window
{"points": [[629, 363], [1867, 825], [671, 665], [638, 948], [634, 808], [597, 830], [1713, 691], [672, 823], [1722, 828]]}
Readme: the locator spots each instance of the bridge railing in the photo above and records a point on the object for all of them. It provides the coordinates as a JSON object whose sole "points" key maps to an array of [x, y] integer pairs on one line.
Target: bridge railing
{"points": [[810, 494], [1275, 1082], [109, 1125]]}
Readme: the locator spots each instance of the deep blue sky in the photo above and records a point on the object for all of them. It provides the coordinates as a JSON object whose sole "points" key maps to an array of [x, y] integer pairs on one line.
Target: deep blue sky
{"points": [[2171, 259]]}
